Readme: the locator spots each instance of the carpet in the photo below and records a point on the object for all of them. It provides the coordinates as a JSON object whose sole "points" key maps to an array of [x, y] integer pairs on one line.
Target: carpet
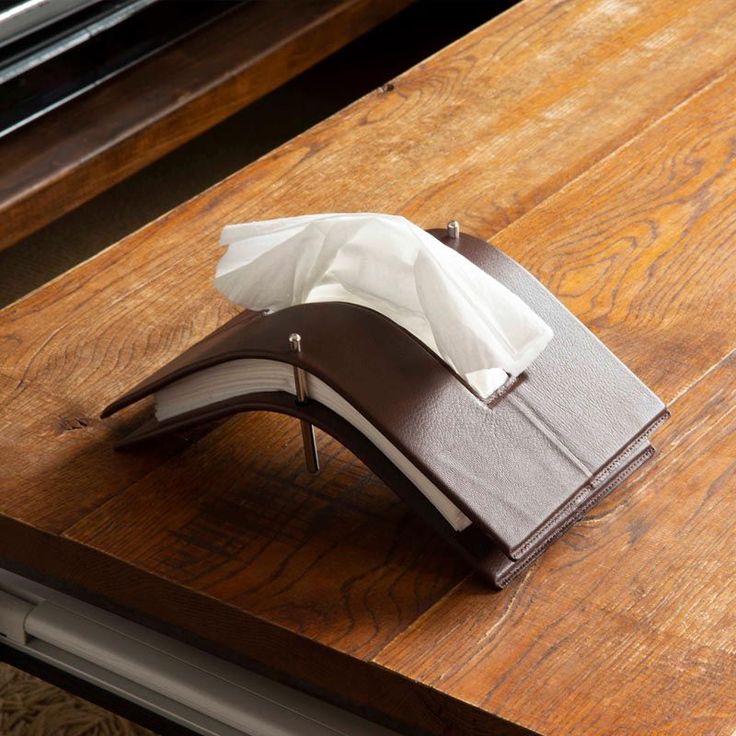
{"points": [[31, 707]]}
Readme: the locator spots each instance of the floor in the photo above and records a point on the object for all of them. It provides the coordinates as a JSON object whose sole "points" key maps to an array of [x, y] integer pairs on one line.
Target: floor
{"points": [[31, 707]]}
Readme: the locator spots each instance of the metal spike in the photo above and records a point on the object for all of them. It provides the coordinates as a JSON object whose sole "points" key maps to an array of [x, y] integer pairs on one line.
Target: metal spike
{"points": [[311, 458]]}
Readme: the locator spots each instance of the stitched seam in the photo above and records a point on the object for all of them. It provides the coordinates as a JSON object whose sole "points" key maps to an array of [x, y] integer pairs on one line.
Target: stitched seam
{"points": [[601, 476], [555, 518], [588, 486], [617, 461], [620, 478]]}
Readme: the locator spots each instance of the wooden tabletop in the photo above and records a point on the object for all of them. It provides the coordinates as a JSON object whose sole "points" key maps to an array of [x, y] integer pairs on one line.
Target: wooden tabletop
{"points": [[594, 141]]}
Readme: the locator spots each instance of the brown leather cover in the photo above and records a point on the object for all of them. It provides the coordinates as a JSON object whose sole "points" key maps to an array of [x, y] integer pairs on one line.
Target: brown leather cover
{"points": [[522, 466]]}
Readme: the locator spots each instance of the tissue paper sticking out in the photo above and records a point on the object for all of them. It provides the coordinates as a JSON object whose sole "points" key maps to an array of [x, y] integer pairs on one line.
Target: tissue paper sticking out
{"points": [[385, 262]]}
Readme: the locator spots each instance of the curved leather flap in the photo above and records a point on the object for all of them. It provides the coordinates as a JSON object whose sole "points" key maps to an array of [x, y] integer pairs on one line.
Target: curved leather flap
{"points": [[518, 466], [404, 390]]}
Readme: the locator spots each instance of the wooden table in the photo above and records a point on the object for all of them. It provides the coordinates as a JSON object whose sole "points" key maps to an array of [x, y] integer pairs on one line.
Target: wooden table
{"points": [[593, 141], [91, 143]]}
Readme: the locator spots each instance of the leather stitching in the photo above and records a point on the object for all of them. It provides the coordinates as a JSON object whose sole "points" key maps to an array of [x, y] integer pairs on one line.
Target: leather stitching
{"points": [[592, 501], [590, 485], [618, 460]]}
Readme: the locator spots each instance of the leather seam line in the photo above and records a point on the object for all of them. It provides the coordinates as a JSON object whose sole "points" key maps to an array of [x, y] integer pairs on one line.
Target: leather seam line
{"points": [[590, 484], [617, 461], [540, 424], [555, 518], [599, 477], [585, 507]]}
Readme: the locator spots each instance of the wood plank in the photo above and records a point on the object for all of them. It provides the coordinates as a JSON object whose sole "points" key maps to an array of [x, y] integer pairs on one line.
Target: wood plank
{"points": [[578, 250], [627, 624], [638, 246], [252, 642], [78, 151], [113, 321], [32, 421], [333, 557], [480, 115]]}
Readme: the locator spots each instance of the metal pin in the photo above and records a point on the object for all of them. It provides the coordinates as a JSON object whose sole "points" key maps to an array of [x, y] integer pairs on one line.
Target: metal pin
{"points": [[311, 458], [453, 229]]}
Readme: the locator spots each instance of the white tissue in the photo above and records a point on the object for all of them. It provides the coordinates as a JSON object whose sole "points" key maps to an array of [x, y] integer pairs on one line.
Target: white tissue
{"points": [[385, 262]]}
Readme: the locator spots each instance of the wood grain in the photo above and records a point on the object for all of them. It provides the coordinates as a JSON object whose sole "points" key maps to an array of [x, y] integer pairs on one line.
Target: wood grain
{"points": [[639, 248], [619, 192], [627, 625], [32, 421], [334, 557], [378, 138], [251, 641], [78, 151]]}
